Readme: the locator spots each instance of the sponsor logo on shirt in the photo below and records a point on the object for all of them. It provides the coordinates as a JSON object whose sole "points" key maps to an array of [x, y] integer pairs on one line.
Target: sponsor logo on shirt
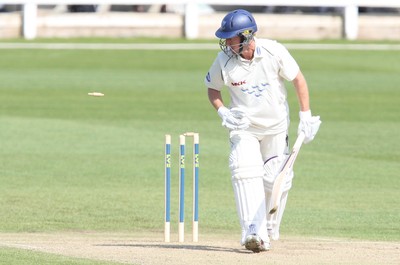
{"points": [[240, 83]]}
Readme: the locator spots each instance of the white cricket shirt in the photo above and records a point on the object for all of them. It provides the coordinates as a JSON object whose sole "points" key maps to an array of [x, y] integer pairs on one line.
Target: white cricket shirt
{"points": [[257, 86]]}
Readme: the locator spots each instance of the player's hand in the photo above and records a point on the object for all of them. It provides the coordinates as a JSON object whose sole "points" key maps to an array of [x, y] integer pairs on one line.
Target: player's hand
{"points": [[309, 125], [233, 119]]}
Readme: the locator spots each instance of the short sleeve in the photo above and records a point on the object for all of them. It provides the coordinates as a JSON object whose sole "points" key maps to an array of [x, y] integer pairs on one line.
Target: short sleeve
{"points": [[288, 65], [214, 78]]}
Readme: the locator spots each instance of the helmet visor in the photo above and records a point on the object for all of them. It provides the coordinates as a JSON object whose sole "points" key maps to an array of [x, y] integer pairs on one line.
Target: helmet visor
{"points": [[237, 48]]}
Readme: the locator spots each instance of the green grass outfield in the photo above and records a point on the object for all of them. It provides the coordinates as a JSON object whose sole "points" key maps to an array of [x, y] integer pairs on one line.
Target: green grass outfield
{"points": [[70, 162]]}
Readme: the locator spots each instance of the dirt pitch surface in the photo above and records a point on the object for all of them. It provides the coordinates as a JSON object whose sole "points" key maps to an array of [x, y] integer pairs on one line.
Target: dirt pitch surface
{"points": [[149, 249]]}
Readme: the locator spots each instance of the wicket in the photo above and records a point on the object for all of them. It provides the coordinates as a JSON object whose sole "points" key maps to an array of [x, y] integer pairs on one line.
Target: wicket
{"points": [[167, 200]]}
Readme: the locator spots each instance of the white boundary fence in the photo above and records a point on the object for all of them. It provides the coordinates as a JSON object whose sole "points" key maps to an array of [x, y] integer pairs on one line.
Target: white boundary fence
{"points": [[191, 11], [187, 46]]}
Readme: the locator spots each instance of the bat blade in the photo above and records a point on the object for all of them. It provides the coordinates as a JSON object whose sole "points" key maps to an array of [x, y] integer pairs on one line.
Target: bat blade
{"points": [[280, 180]]}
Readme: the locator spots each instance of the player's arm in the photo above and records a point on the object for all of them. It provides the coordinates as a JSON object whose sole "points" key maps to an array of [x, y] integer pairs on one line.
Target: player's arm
{"points": [[301, 87], [308, 124], [215, 98]]}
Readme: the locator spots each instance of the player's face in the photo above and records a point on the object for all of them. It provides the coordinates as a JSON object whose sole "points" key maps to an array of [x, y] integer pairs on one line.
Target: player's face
{"points": [[234, 44]]}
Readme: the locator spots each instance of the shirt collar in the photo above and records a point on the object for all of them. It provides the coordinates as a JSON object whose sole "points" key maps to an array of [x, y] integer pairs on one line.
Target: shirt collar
{"points": [[258, 51]]}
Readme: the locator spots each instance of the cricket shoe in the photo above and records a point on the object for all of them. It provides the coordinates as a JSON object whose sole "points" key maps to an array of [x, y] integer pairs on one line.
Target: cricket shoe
{"points": [[256, 244], [274, 235]]}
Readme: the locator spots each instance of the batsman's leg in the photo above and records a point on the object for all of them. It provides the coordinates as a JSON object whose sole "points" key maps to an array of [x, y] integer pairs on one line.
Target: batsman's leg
{"points": [[245, 163], [272, 168], [274, 220], [275, 149]]}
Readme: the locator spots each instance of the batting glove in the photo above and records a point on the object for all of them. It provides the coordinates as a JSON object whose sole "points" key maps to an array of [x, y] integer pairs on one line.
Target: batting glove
{"points": [[233, 119], [309, 125]]}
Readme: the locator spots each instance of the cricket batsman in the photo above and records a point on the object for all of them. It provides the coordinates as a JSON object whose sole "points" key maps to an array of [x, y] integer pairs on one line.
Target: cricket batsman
{"points": [[254, 71]]}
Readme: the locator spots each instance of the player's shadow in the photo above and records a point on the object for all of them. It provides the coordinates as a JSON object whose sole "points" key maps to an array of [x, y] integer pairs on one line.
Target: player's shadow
{"points": [[179, 246]]}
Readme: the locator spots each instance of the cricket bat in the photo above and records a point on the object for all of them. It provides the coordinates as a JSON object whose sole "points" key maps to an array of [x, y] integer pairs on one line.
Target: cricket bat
{"points": [[280, 180]]}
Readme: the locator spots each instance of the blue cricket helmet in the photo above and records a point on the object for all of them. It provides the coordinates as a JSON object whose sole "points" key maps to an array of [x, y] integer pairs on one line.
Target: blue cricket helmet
{"points": [[236, 23]]}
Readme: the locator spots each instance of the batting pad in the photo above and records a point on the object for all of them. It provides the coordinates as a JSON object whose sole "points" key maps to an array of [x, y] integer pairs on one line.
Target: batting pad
{"points": [[272, 167], [274, 220], [251, 207]]}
